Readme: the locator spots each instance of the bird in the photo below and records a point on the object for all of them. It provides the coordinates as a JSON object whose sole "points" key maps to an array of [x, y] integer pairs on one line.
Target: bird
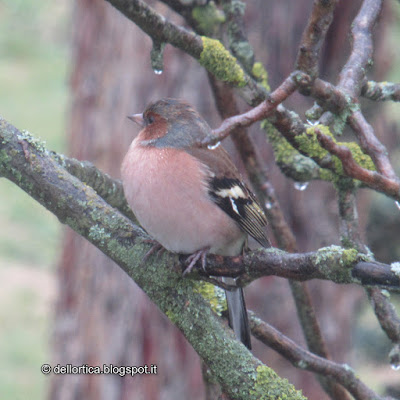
{"points": [[191, 199]]}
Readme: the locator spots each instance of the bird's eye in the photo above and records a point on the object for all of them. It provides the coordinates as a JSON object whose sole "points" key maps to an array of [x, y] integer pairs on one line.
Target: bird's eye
{"points": [[150, 119]]}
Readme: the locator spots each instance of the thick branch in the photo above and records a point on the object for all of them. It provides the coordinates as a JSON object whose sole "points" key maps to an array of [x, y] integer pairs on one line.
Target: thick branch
{"points": [[329, 263], [109, 189], [27, 163]]}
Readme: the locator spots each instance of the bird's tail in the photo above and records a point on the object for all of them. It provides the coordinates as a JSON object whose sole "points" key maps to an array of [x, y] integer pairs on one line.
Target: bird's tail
{"points": [[237, 313]]}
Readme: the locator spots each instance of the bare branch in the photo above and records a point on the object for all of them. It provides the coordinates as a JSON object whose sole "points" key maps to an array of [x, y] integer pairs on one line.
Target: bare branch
{"points": [[369, 142], [386, 314], [263, 110], [314, 36], [353, 73], [306, 360]]}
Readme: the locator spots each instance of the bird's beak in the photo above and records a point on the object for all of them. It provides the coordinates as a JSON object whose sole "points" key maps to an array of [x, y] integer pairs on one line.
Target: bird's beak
{"points": [[138, 118]]}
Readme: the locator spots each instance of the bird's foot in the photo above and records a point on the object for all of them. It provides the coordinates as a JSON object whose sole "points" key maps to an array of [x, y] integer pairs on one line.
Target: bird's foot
{"points": [[192, 260], [156, 248]]}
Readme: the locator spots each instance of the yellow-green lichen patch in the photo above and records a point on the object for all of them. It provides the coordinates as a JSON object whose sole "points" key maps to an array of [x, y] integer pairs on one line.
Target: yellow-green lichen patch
{"points": [[216, 59], [261, 74], [35, 142], [213, 294], [309, 144], [268, 387], [302, 168], [362, 159], [208, 17], [349, 257], [335, 262]]}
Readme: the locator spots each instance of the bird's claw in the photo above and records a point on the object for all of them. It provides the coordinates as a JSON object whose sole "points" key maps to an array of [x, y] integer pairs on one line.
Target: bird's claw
{"points": [[192, 259], [156, 248]]}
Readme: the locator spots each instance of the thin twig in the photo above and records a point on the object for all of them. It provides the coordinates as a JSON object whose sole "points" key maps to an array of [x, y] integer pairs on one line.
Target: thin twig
{"points": [[262, 111], [386, 314], [372, 146], [352, 169], [353, 73]]}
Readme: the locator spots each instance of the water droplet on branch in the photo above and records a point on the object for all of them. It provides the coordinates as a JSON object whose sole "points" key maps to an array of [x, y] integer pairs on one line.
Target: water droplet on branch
{"points": [[394, 357], [213, 146], [156, 57], [268, 205], [301, 186]]}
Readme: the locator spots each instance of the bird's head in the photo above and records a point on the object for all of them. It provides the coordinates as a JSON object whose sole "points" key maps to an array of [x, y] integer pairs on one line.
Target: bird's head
{"points": [[170, 123]]}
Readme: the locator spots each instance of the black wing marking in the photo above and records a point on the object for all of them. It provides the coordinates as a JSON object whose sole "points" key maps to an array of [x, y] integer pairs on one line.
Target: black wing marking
{"points": [[233, 197]]}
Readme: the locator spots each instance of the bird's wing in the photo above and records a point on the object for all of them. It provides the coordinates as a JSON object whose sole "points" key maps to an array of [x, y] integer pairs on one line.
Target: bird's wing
{"points": [[228, 191]]}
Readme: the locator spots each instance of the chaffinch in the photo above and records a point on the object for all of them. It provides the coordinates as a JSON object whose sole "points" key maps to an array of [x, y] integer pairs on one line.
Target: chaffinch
{"points": [[192, 200]]}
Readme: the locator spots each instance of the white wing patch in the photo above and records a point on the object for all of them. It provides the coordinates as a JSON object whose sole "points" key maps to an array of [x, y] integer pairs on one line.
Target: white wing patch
{"points": [[233, 204], [235, 192]]}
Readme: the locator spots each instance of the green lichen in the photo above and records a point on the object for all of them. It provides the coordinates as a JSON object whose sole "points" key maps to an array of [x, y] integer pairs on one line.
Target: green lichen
{"points": [[261, 75], [302, 168], [213, 294], [309, 144], [35, 142], [216, 59], [359, 156], [349, 257], [395, 268], [208, 18], [268, 387], [98, 234], [336, 262]]}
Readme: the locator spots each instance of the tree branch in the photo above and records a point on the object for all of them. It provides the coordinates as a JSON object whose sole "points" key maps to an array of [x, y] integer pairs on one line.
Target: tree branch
{"points": [[331, 263], [381, 91], [26, 162], [353, 73], [314, 36], [352, 169], [306, 360], [262, 111], [210, 53]]}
